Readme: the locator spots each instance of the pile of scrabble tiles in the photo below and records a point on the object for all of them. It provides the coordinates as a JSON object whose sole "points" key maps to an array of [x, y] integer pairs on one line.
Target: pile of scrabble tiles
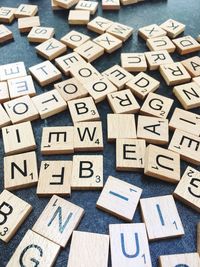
{"points": [[145, 148]]}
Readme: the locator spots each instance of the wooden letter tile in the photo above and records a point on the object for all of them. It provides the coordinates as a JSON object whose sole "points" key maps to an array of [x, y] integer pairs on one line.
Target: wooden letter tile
{"points": [[57, 140], [58, 220], [40, 34], [5, 34], [12, 70], [87, 5], [14, 211], [153, 130], [162, 164], [151, 31], [36, 249], [7, 14], [121, 31], [192, 65], [187, 259], [94, 250], [109, 42], [173, 27], [117, 122], [187, 189], [74, 39], [133, 62], [187, 145], [174, 73], [185, 121], [161, 217], [155, 59], [156, 105], [49, 103], [123, 102], [51, 49], [142, 84], [4, 118], [83, 109], [129, 245], [99, 24], [186, 45], [15, 138], [4, 93], [27, 23], [118, 76], [110, 4], [160, 44], [119, 198], [130, 154], [79, 17], [66, 3], [54, 178], [45, 73], [26, 10], [20, 171], [21, 109], [88, 136], [87, 172], [196, 80]]}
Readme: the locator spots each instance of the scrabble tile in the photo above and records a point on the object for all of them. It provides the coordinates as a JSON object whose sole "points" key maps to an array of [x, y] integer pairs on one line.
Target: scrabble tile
{"points": [[157, 58], [89, 50], [87, 172], [39, 249], [160, 44], [74, 39], [83, 109], [12, 70], [54, 6], [58, 220], [123, 239], [173, 28], [110, 4], [95, 248], [7, 14], [118, 76], [99, 88], [57, 140], [188, 94], [151, 31], [99, 24], [45, 73], [88, 136], [40, 34], [21, 86], [49, 103], [51, 49], [186, 190], [27, 23], [133, 62], [119, 198], [66, 3], [187, 259], [84, 73], [156, 105], [109, 42], [20, 171], [161, 217], [5, 34], [26, 10], [15, 138], [21, 109], [87, 5], [174, 73], [121, 31], [71, 89], [14, 211], [78, 17], [123, 102], [4, 93], [64, 63], [187, 145], [153, 130], [117, 122], [130, 154], [4, 118], [54, 178], [186, 45], [142, 84], [192, 65], [196, 80], [185, 121], [162, 164]]}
